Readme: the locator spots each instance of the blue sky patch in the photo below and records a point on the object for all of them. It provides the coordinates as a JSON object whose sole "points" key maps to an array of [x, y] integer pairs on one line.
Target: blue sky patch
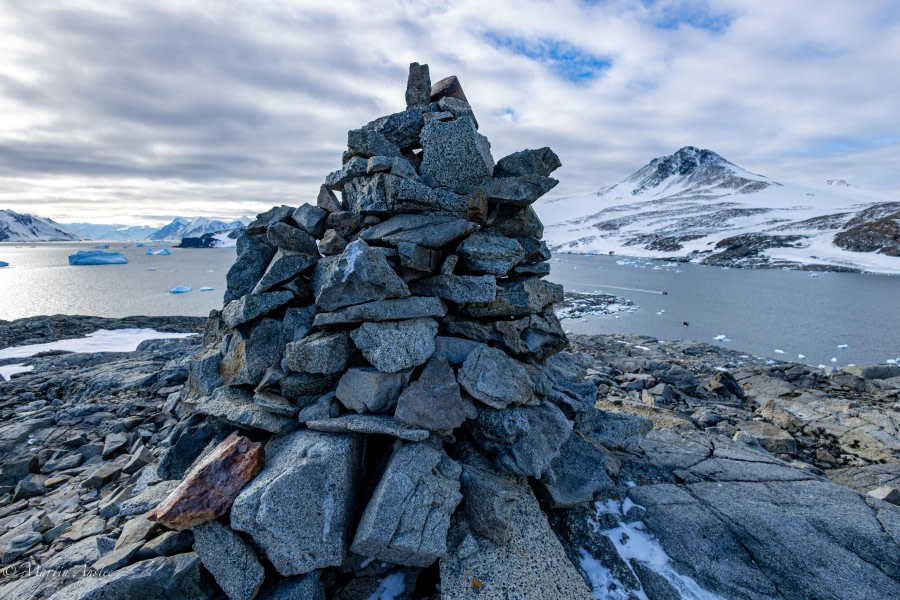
{"points": [[565, 59], [693, 14]]}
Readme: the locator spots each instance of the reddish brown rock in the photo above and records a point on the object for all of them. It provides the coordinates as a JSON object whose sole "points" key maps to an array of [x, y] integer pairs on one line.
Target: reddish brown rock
{"points": [[208, 490], [448, 87]]}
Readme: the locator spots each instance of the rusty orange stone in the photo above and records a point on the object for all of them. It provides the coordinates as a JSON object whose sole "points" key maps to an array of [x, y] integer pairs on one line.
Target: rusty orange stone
{"points": [[209, 489]]}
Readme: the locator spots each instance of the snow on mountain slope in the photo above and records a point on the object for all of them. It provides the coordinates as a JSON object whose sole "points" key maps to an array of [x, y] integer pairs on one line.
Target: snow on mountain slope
{"points": [[16, 227], [181, 228], [97, 231], [698, 206]]}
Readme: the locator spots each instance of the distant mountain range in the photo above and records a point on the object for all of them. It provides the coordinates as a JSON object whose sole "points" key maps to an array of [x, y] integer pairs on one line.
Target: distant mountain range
{"points": [[16, 227], [695, 205], [111, 233], [182, 228]]}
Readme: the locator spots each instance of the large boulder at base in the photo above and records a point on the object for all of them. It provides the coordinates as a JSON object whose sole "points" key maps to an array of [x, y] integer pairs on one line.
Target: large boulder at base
{"points": [[406, 520], [298, 510]]}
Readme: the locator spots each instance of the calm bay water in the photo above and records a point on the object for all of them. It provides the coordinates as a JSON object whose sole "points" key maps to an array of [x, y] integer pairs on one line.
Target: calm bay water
{"points": [[758, 310], [40, 281]]}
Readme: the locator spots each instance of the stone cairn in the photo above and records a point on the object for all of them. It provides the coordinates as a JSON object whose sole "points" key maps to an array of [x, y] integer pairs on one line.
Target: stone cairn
{"points": [[385, 385]]}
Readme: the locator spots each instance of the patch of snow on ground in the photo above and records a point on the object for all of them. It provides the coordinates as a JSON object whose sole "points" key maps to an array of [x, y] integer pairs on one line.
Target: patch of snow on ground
{"points": [[633, 543], [102, 340], [390, 588], [8, 371]]}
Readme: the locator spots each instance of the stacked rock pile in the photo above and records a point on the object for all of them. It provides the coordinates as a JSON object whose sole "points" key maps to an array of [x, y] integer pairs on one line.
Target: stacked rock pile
{"points": [[386, 382]]}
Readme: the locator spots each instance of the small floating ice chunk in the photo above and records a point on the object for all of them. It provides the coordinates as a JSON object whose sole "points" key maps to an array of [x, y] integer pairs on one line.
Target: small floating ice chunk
{"points": [[843, 346], [96, 257], [207, 289], [770, 362], [102, 246], [721, 338], [139, 245], [833, 359], [821, 366], [3, 264], [801, 356], [181, 290], [779, 351], [160, 252]]}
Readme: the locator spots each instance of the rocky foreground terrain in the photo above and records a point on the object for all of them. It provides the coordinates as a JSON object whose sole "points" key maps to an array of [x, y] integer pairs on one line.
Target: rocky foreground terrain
{"points": [[757, 481]]}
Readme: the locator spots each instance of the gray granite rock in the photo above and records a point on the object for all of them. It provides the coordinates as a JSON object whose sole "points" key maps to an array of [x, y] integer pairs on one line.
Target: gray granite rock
{"points": [[418, 86], [321, 352], [461, 289], [248, 353], [326, 200], [517, 299], [236, 406], [276, 214], [383, 310], [275, 404], [538, 336], [367, 142], [361, 274], [426, 230], [310, 219], [307, 587], [385, 194], [290, 238], [353, 168], [253, 257], [285, 265], [434, 401], [541, 161], [332, 243], [402, 129], [407, 518], [491, 253], [616, 431], [396, 345], [298, 510], [492, 377], [366, 389], [301, 386], [167, 577], [370, 425], [346, 223], [489, 501], [515, 221], [247, 308], [418, 258], [524, 440], [230, 559], [325, 406], [84, 552], [577, 474], [453, 349], [530, 563], [518, 191], [455, 155]]}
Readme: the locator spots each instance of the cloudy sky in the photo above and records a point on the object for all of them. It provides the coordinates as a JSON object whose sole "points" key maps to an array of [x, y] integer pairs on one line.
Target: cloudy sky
{"points": [[137, 111]]}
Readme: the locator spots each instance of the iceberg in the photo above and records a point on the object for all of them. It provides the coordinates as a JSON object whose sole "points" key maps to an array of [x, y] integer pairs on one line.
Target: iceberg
{"points": [[139, 245], [102, 246], [181, 290], [3, 264], [96, 257], [843, 346], [207, 289], [160, 252]]}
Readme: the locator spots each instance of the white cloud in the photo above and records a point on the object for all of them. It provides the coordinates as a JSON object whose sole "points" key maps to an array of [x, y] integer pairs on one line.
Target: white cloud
{"points": [[138, 111]]}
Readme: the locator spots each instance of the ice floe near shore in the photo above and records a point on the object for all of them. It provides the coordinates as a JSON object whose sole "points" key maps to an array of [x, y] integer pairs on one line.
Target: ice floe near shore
{"points": [[96, 257]]}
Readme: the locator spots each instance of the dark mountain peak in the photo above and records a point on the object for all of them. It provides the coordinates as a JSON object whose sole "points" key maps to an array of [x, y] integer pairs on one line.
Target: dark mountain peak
{"points": [[693, 167]]}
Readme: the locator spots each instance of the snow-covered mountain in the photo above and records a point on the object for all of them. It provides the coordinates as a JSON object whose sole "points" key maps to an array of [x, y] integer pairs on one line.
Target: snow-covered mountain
{"points": [[698, 206], [94, 231], [181, 228], [16, 227]]}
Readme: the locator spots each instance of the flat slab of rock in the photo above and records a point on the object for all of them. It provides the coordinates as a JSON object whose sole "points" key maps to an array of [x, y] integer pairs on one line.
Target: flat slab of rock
{"points": [[360, 274], [455, 155], [541, 161], [407, 519], [461, 289], [208, 489], [230, 559], [253, 306], [490, 253], [577, 474], [236, 405], [298, 509], [383, 310], [428, 231], [519, 191], [492, 377], [517, 299], [370, 424], [531, 563], [396, 345], [322, 353], [386, 194]]}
